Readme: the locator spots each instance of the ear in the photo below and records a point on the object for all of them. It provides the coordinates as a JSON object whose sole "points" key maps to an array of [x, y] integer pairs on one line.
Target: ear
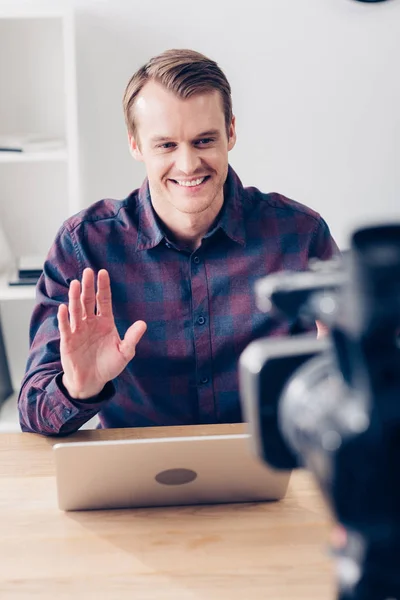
{"points": [[134, 148], [232, 134]]}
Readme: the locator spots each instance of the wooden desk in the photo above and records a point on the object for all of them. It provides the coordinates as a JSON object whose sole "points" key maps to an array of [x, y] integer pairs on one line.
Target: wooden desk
{"points": [[245, 551]]}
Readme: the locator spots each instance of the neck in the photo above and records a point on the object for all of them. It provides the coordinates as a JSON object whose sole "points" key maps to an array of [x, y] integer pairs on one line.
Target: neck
{"points": [[185, 228]]}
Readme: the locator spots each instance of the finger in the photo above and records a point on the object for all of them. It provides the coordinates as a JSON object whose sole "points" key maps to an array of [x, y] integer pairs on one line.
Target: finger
{"points": [[63, 322], [338, 541], [88, 296], [322, 330], [75, 307], [338, 537], [132, 338], [103, 296]]}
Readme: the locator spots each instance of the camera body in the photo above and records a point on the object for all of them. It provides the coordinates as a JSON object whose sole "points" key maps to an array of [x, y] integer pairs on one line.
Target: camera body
{"points": [[332, 405]]}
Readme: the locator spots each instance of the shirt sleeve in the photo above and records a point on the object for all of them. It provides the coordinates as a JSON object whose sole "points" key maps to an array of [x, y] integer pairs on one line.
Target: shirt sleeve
{"points": [[44, 404], [322, 245]]}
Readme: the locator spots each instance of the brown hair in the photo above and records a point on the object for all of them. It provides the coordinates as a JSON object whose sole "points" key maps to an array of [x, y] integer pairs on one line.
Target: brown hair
{"points": [[184, 72]]}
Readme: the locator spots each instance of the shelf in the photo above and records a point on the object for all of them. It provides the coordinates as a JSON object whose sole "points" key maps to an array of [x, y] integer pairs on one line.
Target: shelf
{"points": [[44, 10], [16, 292], [23, 157]]}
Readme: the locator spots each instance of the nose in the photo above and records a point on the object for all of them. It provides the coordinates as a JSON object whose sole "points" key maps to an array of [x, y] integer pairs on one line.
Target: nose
{"points": [[187, 159]]}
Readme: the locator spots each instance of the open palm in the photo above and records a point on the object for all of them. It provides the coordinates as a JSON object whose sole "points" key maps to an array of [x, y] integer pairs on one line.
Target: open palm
{"points": [[91, 350]]}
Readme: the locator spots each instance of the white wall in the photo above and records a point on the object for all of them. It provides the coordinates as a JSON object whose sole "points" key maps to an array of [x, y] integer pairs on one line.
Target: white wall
{"points": [[316, 91]]}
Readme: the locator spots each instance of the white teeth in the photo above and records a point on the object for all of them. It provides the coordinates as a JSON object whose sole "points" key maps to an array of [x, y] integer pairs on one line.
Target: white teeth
{"points": [[191, 183]]}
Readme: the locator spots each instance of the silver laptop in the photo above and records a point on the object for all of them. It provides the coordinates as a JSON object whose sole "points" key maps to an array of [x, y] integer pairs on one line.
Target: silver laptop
{"points": [[163, 472]]}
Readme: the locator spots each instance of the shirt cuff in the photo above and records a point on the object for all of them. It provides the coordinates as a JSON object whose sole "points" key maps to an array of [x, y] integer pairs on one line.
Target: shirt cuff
{"points": [[71, 411], [106, 394]]}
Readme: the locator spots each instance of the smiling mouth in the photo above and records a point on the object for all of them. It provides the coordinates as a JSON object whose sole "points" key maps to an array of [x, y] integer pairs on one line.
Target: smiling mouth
{"points": [[193, 183]]}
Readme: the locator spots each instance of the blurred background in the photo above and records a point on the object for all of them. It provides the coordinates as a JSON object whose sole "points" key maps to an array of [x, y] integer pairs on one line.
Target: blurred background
{"points": [[316, 93]]}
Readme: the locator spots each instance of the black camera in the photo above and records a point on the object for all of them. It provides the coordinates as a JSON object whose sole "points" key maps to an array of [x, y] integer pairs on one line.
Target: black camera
{"points": [[332, 405]]}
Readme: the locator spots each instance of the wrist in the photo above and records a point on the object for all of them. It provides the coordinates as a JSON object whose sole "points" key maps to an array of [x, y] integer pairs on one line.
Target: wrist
{"points": [[82, 393]]}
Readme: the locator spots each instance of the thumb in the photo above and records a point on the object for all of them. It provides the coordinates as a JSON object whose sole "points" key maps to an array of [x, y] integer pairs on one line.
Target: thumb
{"points": [[132, 338]]}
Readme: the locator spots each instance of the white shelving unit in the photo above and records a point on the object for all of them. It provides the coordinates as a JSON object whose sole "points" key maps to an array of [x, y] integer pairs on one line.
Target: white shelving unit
{"points": [[17, 292], [16, 157], [38, 190]]}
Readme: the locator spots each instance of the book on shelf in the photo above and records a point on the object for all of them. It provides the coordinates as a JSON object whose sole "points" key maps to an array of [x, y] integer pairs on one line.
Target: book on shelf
{"points": [[28, 271], [30, 143]]}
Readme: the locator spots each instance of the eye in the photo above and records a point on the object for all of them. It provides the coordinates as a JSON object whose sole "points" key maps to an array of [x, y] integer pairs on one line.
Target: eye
{"points": [[166, 146], [205, 141]]}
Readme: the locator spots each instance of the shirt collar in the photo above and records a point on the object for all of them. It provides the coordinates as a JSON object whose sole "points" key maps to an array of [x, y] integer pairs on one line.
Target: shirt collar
{"points": [[149, 232], [230, 221]]}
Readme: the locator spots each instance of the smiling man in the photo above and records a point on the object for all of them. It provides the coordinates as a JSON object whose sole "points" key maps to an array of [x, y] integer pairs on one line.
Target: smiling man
{"points": [[178, 257], [184, 145]]}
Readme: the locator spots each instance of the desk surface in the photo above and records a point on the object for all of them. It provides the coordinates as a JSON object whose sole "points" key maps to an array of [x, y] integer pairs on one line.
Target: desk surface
{"points": [[244, 551]]}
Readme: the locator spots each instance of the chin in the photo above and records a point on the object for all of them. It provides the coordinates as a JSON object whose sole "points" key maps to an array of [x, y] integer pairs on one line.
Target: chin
{"points": [[190, 208]]}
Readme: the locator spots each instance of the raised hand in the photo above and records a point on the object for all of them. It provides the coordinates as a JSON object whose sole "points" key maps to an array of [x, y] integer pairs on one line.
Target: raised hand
{"points": [[92, 352]]}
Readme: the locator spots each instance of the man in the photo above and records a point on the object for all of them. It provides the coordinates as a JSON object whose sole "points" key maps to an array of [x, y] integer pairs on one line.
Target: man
{"points": [[180, 256]]}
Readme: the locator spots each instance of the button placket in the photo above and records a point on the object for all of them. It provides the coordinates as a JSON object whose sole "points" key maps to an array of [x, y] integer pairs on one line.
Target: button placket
{"points": [[202, 340]]}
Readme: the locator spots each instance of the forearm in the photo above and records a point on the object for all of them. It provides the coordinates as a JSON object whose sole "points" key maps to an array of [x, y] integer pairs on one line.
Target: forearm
{"points": [[46, 408]]}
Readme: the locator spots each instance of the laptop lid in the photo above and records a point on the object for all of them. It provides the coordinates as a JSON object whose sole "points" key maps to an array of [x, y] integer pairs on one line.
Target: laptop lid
{"points": [[163, 472]]}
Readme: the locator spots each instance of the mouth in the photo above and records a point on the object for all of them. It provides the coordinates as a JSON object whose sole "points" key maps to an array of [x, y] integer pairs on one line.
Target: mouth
{"points": [[191, 184]]}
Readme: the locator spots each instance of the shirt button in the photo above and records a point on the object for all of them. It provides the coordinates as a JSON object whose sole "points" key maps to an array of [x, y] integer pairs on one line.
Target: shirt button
{"points": [[204, 380], [196, 260], [201, 320], [168, 245]]}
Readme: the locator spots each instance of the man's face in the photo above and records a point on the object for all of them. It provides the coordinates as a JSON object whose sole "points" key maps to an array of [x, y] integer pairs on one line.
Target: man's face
{"points": [[184, 145]]}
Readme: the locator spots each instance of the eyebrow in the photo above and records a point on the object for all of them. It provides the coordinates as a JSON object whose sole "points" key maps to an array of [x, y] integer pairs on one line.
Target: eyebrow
{"points": [[162, 138], [210, 132]]}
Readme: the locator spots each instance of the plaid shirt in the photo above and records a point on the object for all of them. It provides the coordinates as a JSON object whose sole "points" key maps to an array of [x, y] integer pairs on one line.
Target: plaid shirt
{"points": [[199, 307]]}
